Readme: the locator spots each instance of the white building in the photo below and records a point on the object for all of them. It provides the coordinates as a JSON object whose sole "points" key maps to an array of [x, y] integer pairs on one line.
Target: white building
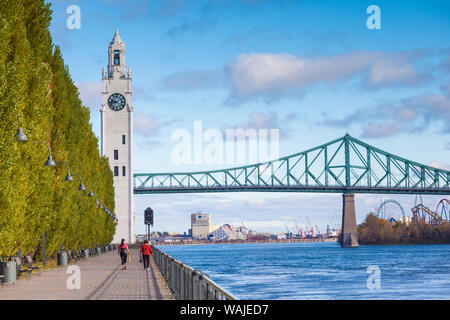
{"points": [[201, 225], [226, 232], [117, 135]]}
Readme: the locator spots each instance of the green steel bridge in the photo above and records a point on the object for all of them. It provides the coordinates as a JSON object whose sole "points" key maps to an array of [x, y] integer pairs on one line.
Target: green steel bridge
{"points": [[344, 165]]}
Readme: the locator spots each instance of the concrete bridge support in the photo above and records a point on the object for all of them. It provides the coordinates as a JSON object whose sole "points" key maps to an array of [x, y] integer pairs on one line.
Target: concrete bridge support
{"points": [[349, 233]]}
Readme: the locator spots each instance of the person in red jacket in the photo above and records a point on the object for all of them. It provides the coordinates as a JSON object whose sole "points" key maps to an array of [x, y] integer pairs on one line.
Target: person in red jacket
{"points": [[146, 250]]}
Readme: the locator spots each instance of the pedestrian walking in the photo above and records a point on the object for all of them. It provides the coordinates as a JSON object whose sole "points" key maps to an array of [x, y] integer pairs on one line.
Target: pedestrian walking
{"points": [[145, 252], [123, 252]]}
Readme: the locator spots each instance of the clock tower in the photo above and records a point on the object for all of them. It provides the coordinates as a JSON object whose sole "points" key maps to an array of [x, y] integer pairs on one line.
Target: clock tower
{"points": [[117, 135]]}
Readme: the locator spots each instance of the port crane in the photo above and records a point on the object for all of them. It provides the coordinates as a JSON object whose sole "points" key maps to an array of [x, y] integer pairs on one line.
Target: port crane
{"points": [[288, 234], [300, 230], [318, 231], [309, 227]]}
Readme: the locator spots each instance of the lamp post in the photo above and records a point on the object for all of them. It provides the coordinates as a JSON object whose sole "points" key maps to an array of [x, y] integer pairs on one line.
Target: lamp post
{"points": [[49, 162], [81, 187], [20, 136], [68, 176]]}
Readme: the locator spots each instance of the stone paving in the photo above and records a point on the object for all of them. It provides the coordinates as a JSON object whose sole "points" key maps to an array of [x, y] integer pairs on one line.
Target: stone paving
{"points": [[101, 279]]}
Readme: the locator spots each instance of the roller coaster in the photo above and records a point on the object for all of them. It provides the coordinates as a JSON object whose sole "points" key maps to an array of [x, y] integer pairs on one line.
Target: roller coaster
{"points": [[441, 215], [443, 209]]}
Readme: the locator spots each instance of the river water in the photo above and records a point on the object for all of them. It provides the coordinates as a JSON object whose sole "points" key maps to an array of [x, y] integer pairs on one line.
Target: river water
{"points": [[322, 270]]}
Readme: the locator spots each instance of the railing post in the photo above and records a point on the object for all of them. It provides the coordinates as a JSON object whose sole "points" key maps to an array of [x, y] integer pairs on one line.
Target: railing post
{"points": [[202, 295], [181, 281], [196, 286]]}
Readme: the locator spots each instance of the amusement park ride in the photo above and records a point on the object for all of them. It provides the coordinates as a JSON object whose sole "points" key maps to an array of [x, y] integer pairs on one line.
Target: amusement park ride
{"points": [[420, 212]]}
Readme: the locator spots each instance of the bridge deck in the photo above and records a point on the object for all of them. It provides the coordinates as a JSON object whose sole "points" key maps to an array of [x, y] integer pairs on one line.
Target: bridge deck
{"points": [[101, 279]]}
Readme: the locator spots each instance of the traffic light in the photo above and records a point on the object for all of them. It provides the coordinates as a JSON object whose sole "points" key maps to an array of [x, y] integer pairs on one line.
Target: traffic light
{"points": [[148, 216]]}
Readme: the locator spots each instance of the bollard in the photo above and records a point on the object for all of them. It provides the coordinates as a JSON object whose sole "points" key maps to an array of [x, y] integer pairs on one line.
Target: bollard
{"points": [[8, 269]]}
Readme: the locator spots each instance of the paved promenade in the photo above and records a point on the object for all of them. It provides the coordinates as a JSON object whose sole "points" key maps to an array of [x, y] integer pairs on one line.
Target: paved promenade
{"points": [[101, 279]]}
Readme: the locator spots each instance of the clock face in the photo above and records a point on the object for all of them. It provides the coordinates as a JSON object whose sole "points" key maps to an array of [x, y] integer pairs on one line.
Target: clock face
{"points": [[116, 101]]}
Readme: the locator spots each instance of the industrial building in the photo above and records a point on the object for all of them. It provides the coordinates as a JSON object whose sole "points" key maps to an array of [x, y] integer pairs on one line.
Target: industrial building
{"points": [[201, 225]]}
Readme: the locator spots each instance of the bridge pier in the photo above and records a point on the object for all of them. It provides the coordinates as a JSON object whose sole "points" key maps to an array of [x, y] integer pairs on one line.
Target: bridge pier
{"points": [[349, 233]]}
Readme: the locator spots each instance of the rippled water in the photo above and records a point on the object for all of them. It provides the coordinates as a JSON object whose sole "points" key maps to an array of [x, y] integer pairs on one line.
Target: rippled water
{"points": [[321, 270]]}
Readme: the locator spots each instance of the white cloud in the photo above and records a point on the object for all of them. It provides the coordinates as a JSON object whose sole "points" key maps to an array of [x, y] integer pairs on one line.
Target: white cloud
{"points": [[256, 201], [269, 120], [193, 79], [381, 129], [256, 73], [392, 70], [409, 115], [146, 124], [268, 74], [440, 165], [447, 146], [90, 94], [273, 76]]}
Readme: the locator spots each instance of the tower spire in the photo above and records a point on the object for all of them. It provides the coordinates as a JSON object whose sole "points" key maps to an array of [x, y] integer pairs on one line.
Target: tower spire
{"points": [[116, 51], [116, 38]]}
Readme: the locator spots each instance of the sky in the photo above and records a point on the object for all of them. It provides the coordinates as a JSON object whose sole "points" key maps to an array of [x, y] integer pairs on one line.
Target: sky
{"points": [[314, 70]]}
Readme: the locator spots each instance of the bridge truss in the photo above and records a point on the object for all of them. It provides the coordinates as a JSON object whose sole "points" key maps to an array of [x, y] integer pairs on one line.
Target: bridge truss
{"points": [[344, 165]]}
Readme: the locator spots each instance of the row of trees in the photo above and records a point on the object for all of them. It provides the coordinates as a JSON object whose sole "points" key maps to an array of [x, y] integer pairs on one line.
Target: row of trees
{"points": [[375, 230], [35, 85]]}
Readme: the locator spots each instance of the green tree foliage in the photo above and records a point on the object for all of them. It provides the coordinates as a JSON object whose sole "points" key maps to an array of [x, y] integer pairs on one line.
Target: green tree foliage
{"points": [[375, 230], [36, 86]]}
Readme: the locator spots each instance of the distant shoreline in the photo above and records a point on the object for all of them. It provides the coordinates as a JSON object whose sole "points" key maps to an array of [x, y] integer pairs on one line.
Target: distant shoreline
{"points": [[401, 244], [209, 242]]}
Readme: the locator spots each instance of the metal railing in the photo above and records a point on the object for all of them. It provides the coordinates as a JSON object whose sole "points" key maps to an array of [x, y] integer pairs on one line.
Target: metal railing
{"points": [[187, 283]]}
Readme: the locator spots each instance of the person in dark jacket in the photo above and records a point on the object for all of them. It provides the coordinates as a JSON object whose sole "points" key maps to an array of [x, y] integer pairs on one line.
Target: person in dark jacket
{"points": [[146, 250]]}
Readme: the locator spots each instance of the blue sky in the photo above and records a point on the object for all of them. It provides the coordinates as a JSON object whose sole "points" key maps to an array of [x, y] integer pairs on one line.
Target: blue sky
{"points": [[309, 68]]}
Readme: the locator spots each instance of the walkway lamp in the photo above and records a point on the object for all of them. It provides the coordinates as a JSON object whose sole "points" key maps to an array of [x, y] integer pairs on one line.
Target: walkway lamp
{"points": [[49, 162], [81, 187], [20, 136], [91, 194], [68, 176], [99, 203]]}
